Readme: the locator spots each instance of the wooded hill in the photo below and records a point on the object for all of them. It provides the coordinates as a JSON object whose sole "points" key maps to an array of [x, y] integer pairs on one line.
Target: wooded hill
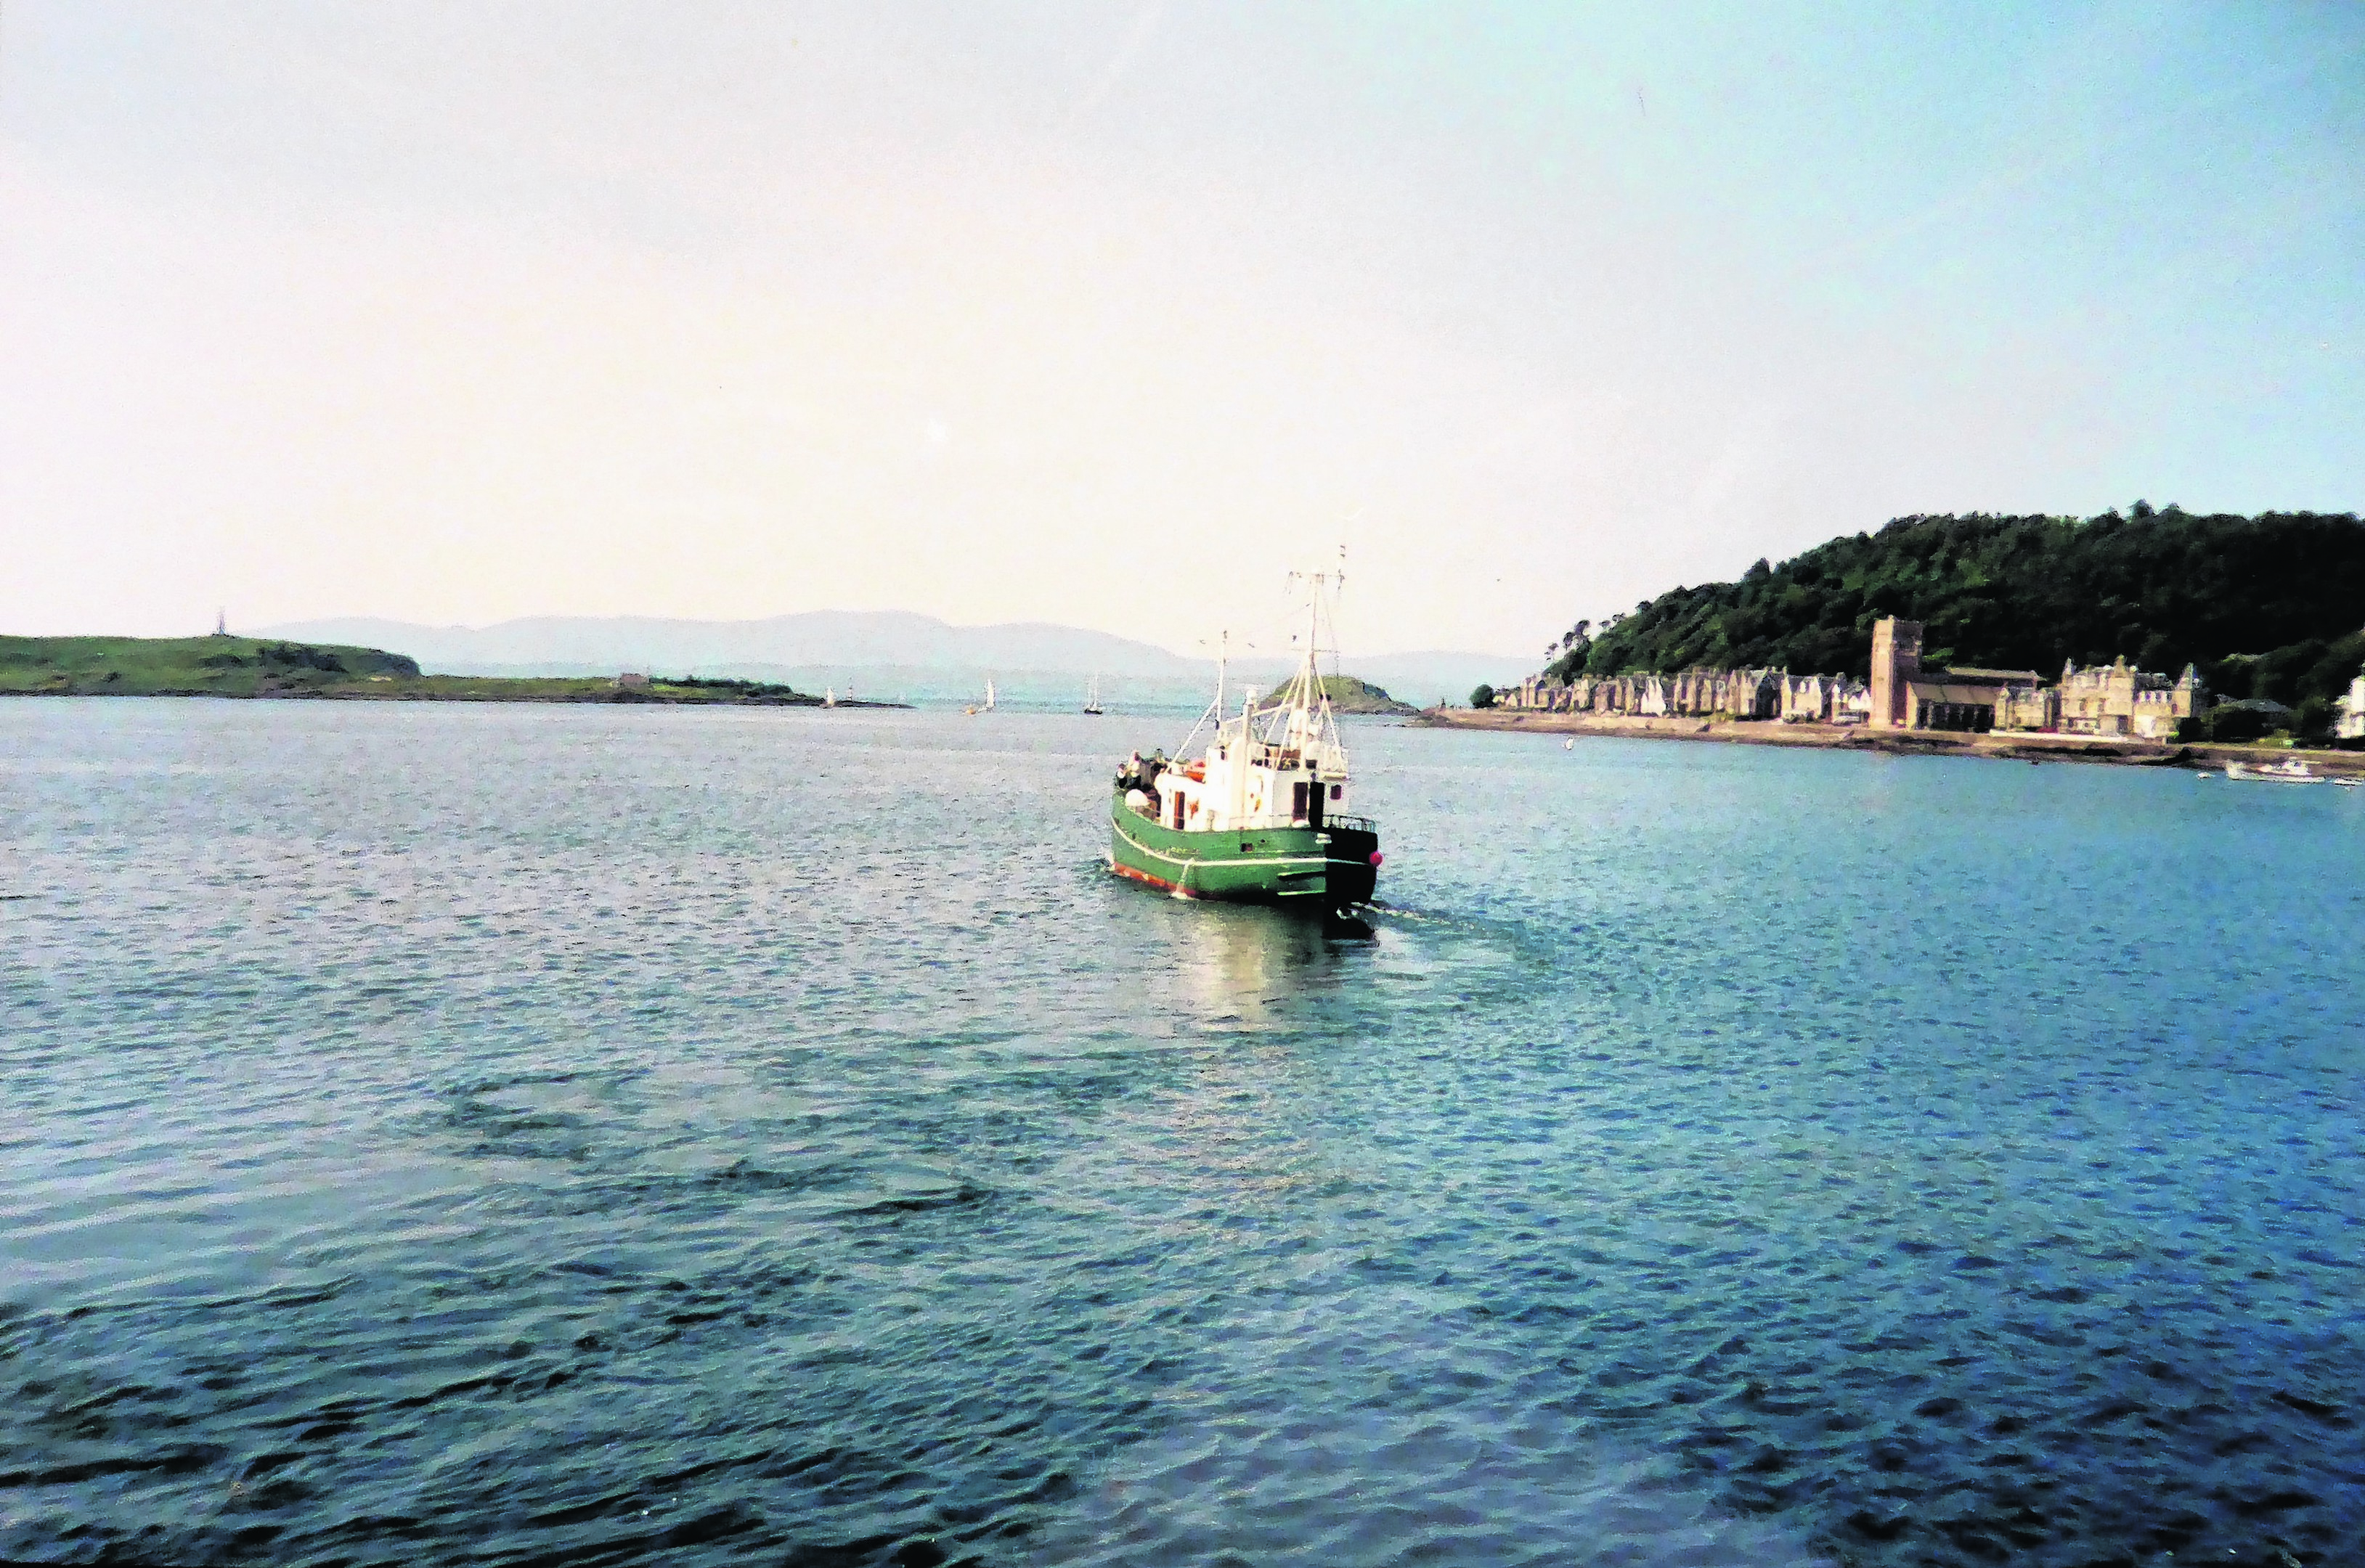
{"points": [[2270, 606]]}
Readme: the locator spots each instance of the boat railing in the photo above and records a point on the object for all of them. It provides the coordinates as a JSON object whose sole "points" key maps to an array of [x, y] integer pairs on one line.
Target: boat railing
{"points": [[1352, 823]]}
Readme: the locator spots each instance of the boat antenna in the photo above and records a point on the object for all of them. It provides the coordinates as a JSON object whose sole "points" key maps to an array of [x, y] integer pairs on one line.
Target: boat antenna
{"points": [[1339, 582], [1222, 656]]}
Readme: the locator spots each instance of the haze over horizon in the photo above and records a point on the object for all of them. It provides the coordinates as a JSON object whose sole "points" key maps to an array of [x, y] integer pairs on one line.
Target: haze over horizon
{"points": [[1104, 317]]}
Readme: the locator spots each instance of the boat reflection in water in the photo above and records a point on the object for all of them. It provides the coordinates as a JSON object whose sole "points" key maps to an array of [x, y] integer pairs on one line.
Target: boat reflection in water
{"points": [[1313, 1402], [1240, 966]]}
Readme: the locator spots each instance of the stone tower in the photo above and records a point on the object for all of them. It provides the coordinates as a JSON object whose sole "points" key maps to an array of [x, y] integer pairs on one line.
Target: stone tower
{"points": [[1896, 660]]}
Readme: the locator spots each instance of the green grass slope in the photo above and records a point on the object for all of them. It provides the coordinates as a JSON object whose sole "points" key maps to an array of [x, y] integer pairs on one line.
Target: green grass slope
{"points": [[229, 666], [2270, 606], [1352, 694]]}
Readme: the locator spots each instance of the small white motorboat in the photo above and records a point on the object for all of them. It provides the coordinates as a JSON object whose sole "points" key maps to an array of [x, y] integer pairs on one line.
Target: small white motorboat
{"points": [[2291, 770]]}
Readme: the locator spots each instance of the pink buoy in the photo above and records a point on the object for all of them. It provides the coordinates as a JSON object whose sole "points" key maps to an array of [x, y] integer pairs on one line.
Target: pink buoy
{"points": [[1376, 856]]}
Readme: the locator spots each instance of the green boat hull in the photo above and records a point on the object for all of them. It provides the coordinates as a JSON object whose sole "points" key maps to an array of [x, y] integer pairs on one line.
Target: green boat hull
{"points": [[1326, 869]]}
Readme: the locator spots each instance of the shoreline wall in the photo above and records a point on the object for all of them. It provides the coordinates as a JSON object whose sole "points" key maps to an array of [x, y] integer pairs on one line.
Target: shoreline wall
{"points": [[2010, 746]]}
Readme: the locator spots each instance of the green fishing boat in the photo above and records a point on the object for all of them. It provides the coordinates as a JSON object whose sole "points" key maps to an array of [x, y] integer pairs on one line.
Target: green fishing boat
{"points": [[1259, 816]]}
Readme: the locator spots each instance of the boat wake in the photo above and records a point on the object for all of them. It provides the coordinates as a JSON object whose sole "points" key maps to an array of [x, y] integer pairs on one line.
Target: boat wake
{"points": [[1259, 1475], [1417, 916]]}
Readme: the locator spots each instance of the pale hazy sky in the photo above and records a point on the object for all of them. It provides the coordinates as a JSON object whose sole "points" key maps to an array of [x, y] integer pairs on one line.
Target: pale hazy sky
{"points": [[1108, 314]]}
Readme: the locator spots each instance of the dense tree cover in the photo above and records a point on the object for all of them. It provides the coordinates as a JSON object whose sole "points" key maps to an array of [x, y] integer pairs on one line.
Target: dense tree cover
{"points": [[2269, 607]]}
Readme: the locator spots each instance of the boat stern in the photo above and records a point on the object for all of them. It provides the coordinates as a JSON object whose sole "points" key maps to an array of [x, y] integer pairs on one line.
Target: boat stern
{"points": [[1353, 855]]}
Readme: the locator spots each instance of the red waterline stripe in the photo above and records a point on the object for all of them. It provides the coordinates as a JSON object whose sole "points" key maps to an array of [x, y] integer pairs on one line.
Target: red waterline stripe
{"points": [[1123, 870]]}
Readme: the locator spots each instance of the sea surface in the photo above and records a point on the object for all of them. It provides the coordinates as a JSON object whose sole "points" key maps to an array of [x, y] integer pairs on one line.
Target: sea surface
{"points": [[580, 1134]]}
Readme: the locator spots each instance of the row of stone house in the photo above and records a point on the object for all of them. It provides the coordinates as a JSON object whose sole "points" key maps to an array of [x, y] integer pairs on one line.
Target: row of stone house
{"points": [[2107, 700], [1700, 693]]}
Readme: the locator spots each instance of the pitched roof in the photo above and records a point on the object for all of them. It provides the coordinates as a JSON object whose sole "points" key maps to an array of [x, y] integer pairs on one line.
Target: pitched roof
{"points": [[1978, 694], [2016, 677]]}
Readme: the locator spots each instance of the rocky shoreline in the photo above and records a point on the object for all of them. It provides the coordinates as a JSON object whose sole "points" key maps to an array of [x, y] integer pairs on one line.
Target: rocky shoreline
{"points": [[2000, 746]]}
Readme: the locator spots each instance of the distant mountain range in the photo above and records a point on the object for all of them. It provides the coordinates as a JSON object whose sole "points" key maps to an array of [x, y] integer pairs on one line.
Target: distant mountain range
{"points": [[884, 653]]}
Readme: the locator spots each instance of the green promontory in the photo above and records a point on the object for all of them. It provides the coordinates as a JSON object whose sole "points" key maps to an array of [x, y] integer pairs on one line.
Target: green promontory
{"points": [[2267, 607], [249, 666], [1352, 694], [153, 667]]}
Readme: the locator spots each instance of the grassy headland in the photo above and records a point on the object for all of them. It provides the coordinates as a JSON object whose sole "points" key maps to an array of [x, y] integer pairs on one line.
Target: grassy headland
{"points": [[1352, 694], [249, 666]]}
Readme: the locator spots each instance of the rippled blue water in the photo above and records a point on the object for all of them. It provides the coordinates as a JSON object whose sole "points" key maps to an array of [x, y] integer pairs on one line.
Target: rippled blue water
{"points": [[586, 1134]]}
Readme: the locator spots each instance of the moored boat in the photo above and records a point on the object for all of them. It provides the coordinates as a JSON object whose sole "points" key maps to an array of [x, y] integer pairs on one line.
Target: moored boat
{"points": [[2291, 770], [1259, 816]]}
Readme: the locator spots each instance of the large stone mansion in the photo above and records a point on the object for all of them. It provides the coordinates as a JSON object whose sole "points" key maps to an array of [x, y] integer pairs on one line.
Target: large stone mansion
{"points": [[2106, 699]]}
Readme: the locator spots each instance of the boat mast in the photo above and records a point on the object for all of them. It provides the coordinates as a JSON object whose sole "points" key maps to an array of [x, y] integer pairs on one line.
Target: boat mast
{"points": [[1308, 699], [1311, 678], [1214, 712]]}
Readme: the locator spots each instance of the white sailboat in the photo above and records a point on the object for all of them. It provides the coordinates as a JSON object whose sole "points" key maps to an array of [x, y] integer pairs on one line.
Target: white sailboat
{"points": [[1092, 697]]}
